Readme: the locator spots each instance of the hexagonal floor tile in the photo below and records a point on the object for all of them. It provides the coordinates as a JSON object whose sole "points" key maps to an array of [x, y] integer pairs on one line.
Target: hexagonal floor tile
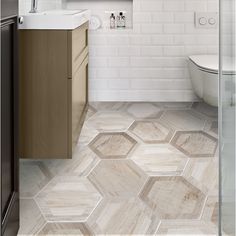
{"points": [[187, 227], [162, 159], [109, 106], [151, 131], [211, 210], [68, 198], [209, 111], [31, 219], [123, 217], [173, 198], [183, 120], [195, 143], [64, 228], [116, 178], [144, 110], [112, 145], [34, 175], [110, 121], [203, 173]]}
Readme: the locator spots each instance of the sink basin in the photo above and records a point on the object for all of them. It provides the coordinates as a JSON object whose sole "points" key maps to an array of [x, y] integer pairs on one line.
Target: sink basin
{"points": [[55, 19]]}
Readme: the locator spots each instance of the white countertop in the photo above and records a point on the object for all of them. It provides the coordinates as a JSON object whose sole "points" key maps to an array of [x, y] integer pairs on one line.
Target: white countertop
{"points": [[55, 19]]}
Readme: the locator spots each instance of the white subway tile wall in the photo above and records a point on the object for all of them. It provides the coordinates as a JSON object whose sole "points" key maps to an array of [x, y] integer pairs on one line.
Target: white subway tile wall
{"points": [[149, 61]]}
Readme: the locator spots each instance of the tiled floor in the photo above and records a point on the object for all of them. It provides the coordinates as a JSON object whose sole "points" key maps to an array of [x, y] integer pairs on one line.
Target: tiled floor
{"points": [[138, 168]]}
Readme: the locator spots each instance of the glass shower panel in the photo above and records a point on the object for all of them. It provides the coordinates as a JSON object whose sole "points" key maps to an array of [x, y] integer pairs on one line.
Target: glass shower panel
{"points": [[227, 117]]}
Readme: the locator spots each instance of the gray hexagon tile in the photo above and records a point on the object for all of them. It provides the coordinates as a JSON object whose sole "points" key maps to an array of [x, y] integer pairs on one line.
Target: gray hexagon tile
{"points": [[173, 197], [123, 217], [90, 112], [63, 228], [207, 110], [112, 145], [31, 219], [183, 120], [110, 121], [211, 127], [151, 131], [118, 178], [162, 159], [34, 175], [203, 173], [144, 110], [195, 143], [68, 198], [87, 135], [187, 227]]}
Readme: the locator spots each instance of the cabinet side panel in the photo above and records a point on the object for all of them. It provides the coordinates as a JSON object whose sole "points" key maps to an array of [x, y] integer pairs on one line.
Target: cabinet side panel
{"points": [[43, 94]]}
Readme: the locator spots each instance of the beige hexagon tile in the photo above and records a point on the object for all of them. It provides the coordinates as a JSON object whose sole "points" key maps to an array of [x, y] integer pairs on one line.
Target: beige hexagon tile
{"points": [[151, 131], [31, 219], [195, 143], [173, 197], [90, 112], [183, 120], [65, 228], [109, 106], [207, 110], [187, 227], [211, 210], [118, 178], [34, 175], [87, 135], [175, 105], [68, 198], [161, 159], [203, 173], [211, 127], [144, 110], [123, 217], [113, 145], [82, 162], [110, 121]]}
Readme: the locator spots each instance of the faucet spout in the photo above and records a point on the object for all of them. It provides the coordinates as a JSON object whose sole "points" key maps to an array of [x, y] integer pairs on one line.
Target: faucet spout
{"points": [[34, 5]]}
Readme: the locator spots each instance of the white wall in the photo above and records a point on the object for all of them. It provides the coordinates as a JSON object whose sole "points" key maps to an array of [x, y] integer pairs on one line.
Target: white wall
{"points": [[148, 62]]}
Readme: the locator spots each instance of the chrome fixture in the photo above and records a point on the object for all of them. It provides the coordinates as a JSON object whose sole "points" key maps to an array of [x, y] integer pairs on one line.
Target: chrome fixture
{"points": [[34, 5]]}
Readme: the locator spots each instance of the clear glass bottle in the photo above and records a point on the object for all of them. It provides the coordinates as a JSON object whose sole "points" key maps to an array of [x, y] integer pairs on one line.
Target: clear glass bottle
{"points": [[112, 21]]}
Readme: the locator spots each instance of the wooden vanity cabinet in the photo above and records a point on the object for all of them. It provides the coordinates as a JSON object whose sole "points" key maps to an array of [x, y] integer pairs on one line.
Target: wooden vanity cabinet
{"points": [[53, 91]]}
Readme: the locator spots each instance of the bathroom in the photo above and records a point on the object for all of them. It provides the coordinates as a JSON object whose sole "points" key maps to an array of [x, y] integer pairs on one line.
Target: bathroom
{"points": [[122, 117]]}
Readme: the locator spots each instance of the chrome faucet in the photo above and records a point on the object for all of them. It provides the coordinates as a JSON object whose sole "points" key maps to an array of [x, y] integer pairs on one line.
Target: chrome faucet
{"points": [[34, 5]]}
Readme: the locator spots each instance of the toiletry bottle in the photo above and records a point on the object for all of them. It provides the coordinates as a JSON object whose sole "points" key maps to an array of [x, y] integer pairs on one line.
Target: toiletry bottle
{"points": [[123, 21], [118, 20], [112, 21]]}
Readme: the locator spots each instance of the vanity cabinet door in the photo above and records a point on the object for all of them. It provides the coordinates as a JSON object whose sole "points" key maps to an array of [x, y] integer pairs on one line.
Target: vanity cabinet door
{"points": [[79, 99]]}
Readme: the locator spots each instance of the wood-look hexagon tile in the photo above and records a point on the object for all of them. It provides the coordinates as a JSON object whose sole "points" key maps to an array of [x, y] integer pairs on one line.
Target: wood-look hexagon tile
{"points": [[151, 131], [110, 121], [123, 217], [211, 127], [68, 198], [187, 227], [112, 145], [176, 105], [31, 219], [183, 120], [211, 209], [109, 106], [173, 197], [87, 135], [90, 112], [203, 173], [161, 159], [207, 110], [118, 178], [64, 229], [144, 110], [34, 175], [195, 143]]}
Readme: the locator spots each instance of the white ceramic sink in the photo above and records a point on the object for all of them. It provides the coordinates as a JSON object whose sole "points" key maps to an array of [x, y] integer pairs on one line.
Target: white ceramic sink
{"points": [[55, 19]]}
